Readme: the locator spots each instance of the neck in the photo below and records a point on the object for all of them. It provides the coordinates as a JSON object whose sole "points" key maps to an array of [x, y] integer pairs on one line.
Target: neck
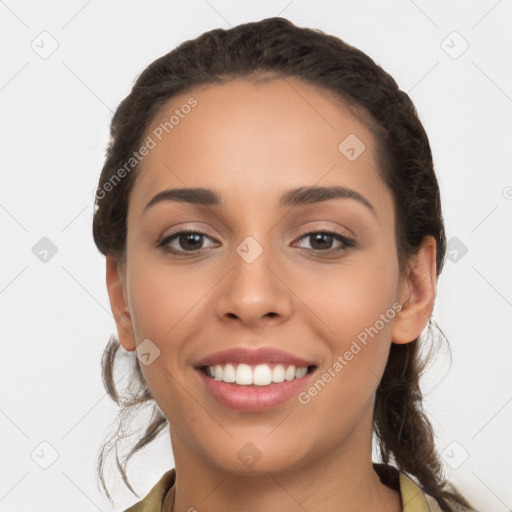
{"points": [[341, 479]]}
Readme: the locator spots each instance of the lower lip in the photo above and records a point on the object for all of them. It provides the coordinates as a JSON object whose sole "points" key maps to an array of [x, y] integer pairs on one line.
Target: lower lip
{"points": [[254, 398]]}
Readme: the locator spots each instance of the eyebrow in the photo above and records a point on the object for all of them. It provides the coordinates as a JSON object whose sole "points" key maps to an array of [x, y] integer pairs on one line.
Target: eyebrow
{"points": [[295, 197]]}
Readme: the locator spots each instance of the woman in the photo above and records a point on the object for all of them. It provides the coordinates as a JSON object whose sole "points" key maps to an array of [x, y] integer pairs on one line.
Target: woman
{"points": [[273, 236]]}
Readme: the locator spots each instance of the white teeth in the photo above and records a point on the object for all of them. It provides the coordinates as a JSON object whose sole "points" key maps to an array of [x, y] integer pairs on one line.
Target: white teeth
{"points": [[229, 373], [260, 375], [243, 374], [278, 373], [290, 373], [300, 372]]}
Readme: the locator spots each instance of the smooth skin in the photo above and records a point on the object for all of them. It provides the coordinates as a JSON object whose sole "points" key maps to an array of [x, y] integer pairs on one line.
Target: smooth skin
{"points": [[251, 142]]}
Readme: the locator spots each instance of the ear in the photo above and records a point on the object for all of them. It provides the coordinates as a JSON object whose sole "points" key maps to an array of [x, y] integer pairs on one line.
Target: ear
{"points": [[417, 293], [117, 294]]}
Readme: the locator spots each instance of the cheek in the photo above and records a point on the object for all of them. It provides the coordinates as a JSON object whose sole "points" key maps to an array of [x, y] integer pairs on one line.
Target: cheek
{"points": [[352, 296], [163, 305], [355, 306], [358, 311], [162, 297], [167, 304]]}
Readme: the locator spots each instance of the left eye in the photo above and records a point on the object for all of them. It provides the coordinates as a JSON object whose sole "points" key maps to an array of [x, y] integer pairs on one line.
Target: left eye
{"points": [[322, 240]]}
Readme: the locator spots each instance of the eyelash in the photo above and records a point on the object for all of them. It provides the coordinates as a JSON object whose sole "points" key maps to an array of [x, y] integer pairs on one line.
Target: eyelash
{"points": [[347, 243]]}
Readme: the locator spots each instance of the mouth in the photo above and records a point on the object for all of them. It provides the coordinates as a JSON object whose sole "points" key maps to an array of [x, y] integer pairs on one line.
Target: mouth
{"points": [[251, 380], [249, 388], [255, 375]]}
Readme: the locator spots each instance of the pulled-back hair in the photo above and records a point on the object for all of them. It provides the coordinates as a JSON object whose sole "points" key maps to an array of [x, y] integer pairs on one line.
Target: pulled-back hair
{"points": [[276, 47]]}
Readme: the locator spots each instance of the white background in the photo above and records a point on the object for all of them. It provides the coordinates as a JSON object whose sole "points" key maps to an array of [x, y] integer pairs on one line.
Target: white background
{"points": [[55, 316]]}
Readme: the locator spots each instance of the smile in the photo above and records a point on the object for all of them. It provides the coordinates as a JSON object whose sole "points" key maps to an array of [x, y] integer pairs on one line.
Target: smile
{"points": [[248, 379], [260, 375]]}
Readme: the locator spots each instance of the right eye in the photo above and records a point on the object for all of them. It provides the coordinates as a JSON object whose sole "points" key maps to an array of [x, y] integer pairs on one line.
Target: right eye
{"points": [[187, 242]]}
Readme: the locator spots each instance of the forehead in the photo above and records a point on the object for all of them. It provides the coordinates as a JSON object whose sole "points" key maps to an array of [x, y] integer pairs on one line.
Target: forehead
{"points": [[244, 137]]}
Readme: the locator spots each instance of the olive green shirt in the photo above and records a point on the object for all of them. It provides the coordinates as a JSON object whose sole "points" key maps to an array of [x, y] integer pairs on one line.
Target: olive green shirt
{"points": [[413, 499]]}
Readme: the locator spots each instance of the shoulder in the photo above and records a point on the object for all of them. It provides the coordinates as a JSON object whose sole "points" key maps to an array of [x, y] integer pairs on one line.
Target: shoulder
{"points": [[454, 506], [153, 501], [415, 499]]}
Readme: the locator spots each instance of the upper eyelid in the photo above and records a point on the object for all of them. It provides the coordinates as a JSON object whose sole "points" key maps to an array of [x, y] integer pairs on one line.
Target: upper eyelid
{"points": [[308, 230]]}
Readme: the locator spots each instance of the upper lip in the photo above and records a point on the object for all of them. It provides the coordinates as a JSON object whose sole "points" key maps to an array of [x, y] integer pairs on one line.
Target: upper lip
{"points": [[263, 355]]}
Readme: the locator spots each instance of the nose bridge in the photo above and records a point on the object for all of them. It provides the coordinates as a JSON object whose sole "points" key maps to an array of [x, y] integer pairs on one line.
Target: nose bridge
{"points": [[253, 290]]}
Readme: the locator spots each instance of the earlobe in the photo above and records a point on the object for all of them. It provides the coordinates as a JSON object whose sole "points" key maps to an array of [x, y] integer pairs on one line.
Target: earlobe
{"points": [[118, 303], [416, 293]]}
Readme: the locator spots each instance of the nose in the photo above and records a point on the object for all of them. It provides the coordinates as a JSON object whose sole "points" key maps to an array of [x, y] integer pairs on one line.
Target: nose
{"points": [[254, 292]]}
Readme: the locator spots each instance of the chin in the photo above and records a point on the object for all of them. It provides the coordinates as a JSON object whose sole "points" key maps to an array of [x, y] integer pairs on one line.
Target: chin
{"points": [[250, 460]]}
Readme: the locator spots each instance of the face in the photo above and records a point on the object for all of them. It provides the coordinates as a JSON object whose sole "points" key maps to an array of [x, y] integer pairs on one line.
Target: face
{"points": [[317, 277]]}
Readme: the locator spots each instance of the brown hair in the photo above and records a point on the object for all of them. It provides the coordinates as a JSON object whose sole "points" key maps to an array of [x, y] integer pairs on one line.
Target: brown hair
{"points": [[403, 431]]}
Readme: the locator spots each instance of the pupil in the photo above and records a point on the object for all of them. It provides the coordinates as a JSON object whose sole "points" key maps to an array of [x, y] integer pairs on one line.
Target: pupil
{"points": [[184, 239], [320, 237]]}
